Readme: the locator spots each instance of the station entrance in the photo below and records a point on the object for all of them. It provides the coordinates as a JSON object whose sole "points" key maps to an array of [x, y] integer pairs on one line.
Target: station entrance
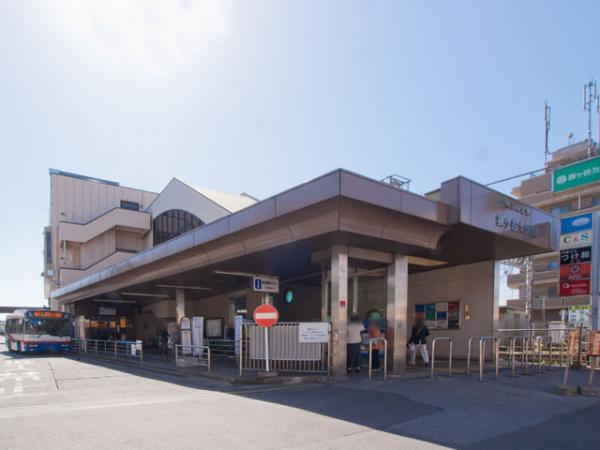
{"points": [[338, 245]]}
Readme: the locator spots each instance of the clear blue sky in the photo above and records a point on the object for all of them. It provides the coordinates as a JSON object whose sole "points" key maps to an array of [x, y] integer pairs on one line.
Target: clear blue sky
{"points": [[258, 96]]}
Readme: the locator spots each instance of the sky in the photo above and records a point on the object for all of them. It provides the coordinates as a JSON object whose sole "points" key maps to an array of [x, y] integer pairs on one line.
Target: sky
{"points": [[258, 96]]}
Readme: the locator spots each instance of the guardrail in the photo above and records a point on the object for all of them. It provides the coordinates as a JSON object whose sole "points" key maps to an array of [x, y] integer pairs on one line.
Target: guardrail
{"points": [[114, 349], [435, 340], [375, 339], [192, 356]]}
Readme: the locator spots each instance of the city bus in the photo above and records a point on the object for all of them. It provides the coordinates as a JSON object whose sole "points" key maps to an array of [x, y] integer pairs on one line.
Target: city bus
{"points": [[39, 330]]}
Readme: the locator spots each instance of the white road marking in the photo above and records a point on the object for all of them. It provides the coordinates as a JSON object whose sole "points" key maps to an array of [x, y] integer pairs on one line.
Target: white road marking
{"points": [[18, 388], [267, 315]]}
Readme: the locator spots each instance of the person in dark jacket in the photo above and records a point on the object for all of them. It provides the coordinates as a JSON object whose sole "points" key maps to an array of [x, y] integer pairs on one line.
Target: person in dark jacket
{"points": [[418, 341]]}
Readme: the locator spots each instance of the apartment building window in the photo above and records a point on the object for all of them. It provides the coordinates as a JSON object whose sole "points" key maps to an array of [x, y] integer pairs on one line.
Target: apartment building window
{"points": [[172, 223], [595, 201], [48, 246], [134, 206], [559, 210]]}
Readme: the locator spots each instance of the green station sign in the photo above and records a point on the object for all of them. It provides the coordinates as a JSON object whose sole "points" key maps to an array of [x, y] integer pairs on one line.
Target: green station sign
{"points": [[575, 175]]}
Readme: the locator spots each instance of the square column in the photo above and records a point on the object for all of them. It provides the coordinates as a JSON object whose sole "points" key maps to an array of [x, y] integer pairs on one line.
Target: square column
{"points": [[339, 309], [397, 313], [179, 305], [324, 296]]}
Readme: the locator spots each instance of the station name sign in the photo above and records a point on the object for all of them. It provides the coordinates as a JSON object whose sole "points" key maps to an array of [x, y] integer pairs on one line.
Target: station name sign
{"points": [[518, 225]]}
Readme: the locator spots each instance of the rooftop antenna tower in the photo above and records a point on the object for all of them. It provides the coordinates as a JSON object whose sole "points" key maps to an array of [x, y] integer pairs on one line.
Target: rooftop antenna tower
{"points": [[590, 95], [547, 111], [598, 113]]}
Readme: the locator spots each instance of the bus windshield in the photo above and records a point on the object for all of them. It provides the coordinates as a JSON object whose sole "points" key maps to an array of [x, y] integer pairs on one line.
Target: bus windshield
{"points": [[49, 327]]}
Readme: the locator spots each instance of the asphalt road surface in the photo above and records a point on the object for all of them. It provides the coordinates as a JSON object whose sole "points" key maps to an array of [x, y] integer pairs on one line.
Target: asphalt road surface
{"points": [[56, 402]]}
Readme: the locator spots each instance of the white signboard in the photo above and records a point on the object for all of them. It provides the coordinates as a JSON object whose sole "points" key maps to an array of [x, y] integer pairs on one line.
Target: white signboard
{"points": [[237, 329], [186, 335], [310, 332], [197, 334], [265, 284], [577, 239], [107, 311]]}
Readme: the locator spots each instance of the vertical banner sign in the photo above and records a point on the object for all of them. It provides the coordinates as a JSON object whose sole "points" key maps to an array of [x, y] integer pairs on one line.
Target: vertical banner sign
{"points": [[186, 335], [576, 239], [197, 334]]}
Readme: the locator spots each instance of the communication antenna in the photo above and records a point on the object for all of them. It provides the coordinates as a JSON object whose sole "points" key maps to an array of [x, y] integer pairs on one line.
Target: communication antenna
{"points": [[590, 95], [598, 113], [547, 111]]}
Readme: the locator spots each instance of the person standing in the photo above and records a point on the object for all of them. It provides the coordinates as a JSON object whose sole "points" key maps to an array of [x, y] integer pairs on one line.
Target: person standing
{"points": [[375, 332], [353, 345], [418, 341]]}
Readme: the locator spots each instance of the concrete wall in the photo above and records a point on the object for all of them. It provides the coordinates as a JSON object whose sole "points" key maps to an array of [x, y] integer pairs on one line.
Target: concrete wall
{"points": [[80, 201], [471, 284], [305, 307]]}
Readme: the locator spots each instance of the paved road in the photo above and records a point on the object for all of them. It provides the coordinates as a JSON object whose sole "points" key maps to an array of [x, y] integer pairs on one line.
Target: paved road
{"points": [[54, 402]]}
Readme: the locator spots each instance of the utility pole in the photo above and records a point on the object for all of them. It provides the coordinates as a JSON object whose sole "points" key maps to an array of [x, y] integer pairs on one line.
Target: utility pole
{"points": [[547, 111], [590, 95]]}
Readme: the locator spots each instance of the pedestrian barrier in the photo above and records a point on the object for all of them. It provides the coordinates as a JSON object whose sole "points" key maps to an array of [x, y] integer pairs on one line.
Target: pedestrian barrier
{"points": [[286, 352], [221, 348], [469, 349], [482, 342], [132, 350], [435, 340], [192, 355], [375, 339]]}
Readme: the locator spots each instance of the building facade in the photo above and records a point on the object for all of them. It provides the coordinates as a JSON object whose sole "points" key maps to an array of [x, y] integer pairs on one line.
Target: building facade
{"points": [[542, 299], [340, 244]]}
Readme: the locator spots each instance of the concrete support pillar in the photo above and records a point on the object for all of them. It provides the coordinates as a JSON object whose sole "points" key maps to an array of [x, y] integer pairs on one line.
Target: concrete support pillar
{"points": [[397, 313], [496, 297], [355, 292], [339, 308], [324, 296], [179, 304]]}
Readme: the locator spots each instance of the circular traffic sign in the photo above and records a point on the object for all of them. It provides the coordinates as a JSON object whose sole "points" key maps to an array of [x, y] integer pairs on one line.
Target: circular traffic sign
{"points": [[266, 316]]}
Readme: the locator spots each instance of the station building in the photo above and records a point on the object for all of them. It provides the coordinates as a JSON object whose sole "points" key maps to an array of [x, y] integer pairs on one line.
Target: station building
{"points": [[130, 262]]}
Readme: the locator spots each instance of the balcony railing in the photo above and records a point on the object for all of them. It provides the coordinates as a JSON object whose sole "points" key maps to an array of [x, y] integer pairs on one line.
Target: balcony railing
{"points": [[117, 217]]}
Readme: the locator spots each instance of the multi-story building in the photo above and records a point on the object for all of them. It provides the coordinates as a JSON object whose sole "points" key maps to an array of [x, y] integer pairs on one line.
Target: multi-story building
{"points": [[538, 191], [95, 223]]}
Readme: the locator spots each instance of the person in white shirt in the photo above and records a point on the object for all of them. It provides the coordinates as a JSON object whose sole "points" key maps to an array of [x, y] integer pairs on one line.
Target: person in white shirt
{"points": [[353, 344]]}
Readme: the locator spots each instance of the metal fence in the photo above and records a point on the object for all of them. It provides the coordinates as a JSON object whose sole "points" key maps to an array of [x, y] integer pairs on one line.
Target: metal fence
{"points": [[222, 348], [193, 356], [540, 348], [286, 353], [132, 350]]}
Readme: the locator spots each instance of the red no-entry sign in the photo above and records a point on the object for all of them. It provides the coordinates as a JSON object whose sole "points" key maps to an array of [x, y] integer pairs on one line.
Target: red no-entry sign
{"points": [[266, 316]]}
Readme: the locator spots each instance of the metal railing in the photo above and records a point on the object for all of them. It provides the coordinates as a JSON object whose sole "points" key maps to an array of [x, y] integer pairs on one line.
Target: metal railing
{"points": [[375, 339], [435, 340], [482, 341], [469, 342], [132, 350], [541, 347], [192, 356], [221, 348], [286, 352]]}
